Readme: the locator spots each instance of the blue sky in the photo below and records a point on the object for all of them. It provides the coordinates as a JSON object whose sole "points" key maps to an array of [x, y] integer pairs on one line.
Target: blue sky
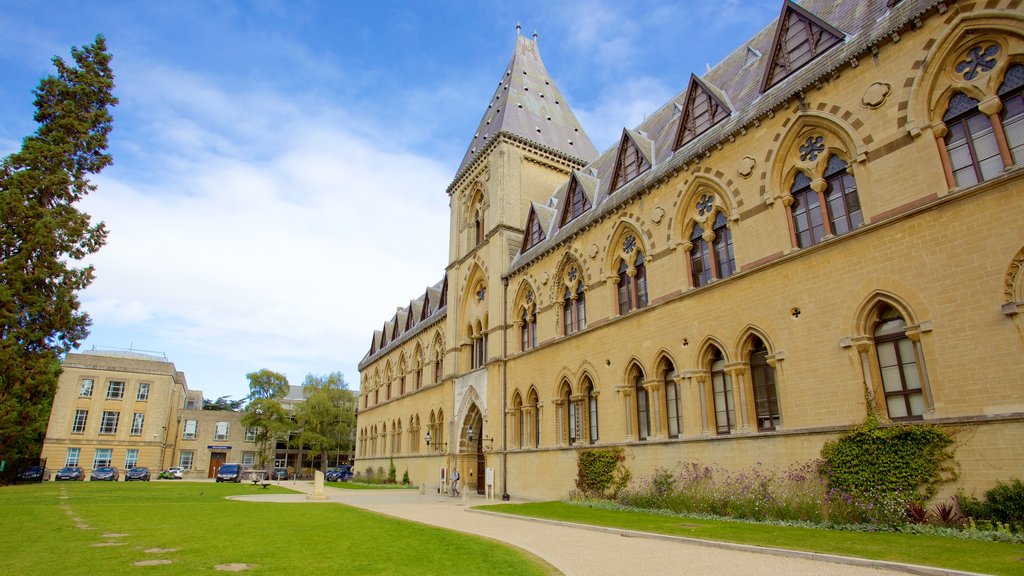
{"points": [[279, 176]]}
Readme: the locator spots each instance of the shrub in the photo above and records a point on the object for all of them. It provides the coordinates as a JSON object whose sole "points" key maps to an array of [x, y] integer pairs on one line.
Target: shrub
{"points": [[948, 514], [870, 460], [916, 513], [600, 470], [392, 473], [1005, 502], [405, 477]]}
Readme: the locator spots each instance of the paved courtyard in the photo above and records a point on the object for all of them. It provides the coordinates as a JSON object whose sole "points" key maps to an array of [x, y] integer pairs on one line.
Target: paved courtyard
{"points": [[586, 551]]}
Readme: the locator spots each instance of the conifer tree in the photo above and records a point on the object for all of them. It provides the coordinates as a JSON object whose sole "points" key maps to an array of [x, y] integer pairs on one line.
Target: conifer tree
{"points": [[43, 239]]}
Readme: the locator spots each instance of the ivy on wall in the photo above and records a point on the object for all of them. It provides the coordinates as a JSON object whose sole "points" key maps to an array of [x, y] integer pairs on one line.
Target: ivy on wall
{"points": [[601, 472], [908, 459]]}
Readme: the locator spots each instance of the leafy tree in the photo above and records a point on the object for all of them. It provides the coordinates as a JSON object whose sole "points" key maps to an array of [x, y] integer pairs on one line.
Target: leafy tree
{"points": [[43, 236], [264, 412], [326, 418], [223, 404]]}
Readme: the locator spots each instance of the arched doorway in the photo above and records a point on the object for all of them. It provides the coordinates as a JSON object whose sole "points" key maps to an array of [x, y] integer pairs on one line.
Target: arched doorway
{"points": [[473, 458]]}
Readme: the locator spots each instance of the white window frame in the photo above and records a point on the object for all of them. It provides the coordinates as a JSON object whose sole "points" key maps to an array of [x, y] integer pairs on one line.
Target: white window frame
{"points": [[104, 428], [79, 427], [186, 458], [109, 460], [71, 459], [86, 387], [131, 458], [250, 433], [119, 390], [218, 434], [142, 395], [186, 434], [248, 459], [138, 420]]}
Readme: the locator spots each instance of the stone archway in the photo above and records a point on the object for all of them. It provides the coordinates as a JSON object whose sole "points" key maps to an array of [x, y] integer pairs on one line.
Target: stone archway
{"points": [[472, 460]]}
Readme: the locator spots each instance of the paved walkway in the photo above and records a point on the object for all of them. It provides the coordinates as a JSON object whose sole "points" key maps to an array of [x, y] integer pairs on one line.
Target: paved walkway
{"points": [[587, 551]]}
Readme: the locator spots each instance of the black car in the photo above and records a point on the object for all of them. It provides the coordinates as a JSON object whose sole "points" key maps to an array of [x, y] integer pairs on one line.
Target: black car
{"points": [[229, 473], [339, 474], [69, 473], [32, 474], [137, 473], [106, 473]]}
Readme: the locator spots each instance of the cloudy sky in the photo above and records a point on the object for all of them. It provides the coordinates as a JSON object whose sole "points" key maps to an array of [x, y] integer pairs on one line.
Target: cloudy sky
{"points": [[279, 176]]}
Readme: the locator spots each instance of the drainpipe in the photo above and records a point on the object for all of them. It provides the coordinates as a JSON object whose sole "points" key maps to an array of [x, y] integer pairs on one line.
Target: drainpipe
{"points": [[504, 390]]}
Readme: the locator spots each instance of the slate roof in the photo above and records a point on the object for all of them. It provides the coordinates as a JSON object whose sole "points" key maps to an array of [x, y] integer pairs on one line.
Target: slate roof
{"points": [[527, 103], [865, 24], [426, 308]]}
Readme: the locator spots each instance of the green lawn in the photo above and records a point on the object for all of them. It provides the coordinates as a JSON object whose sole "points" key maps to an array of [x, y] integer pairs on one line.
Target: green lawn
{"points": [[39, 536], [983, 557]]}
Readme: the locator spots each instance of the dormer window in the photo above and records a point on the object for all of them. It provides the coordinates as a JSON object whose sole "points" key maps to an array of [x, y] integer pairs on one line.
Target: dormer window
{"points": [[630, 163], [576, 202]]}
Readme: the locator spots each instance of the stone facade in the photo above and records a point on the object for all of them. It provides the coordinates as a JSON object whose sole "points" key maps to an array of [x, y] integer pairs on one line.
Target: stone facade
{"points": [[743, 281], [126, 408]]}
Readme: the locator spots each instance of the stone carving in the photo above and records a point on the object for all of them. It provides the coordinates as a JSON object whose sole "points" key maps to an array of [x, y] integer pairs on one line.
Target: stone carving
{"points": [[875, 95], [746, 166], [592, 252], [658, 215]]}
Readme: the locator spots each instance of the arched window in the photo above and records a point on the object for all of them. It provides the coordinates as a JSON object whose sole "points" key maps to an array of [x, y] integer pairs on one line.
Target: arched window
{"points": [[725, 262], [898, 366], [517, 411], [844, 212], [535, 418], [623, 288], [571, 417], [568, 326], [641, 280], [398, 437], [419, 369], [808, 224], [478, 225], [970, 142], [721, 389], [643, 406], [700, 257], [766, 399], [631, 280], [673, 407], [528, 329], [1011, 92], [591, 406], [581, 307]]}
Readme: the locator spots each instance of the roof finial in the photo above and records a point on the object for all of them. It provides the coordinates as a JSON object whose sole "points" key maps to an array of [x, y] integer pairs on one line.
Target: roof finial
{"points": [[534, 35], [518, 27]]}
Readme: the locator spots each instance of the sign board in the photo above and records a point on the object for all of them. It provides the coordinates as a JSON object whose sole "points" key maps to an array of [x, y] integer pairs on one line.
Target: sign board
{"points": [[219, 447]]}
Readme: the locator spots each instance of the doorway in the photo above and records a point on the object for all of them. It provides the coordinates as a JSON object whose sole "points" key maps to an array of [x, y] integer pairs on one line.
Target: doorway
{"points": [[216, 460]]}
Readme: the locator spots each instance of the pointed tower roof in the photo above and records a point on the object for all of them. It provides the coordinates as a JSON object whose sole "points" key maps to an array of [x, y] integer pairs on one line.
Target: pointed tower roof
{"points": [[529, 105]]}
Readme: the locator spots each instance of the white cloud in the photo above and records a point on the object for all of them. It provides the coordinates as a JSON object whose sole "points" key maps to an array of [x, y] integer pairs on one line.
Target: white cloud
{"points": [[286, 245]]}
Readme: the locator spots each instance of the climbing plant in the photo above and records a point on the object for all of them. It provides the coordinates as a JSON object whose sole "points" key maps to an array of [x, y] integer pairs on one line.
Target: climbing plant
{"points": [[601, 472], [874, 460]]}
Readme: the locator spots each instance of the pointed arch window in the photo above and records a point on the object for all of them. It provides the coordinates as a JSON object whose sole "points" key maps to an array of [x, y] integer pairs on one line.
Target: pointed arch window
{"points": [[572, 417], [528, 328], [1011, 92], [725, 262], [808, 223], [643, 406], [478, 225], [568, 325], [574, 309], [535, 419], [766, 398], [591, 403], [970, 142], [581, 307], [700, 257], [520, 420], [632, 284], [844, 211], [673, 408], [721, 389], [898, 366]]}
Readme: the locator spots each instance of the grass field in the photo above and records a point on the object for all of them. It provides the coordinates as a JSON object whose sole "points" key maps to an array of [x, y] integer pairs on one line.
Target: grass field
{"points": [[967, 555], [86, 528]]}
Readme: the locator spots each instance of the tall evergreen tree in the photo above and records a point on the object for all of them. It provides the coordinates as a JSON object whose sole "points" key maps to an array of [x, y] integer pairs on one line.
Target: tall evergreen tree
{"points": [[43, 236]]}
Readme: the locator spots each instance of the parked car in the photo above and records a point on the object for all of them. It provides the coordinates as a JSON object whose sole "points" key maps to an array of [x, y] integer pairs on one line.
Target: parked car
{"points": [[32, 474], [69, 473], [137, 473], [229, 473], [279, 474], [339, 474], [106, 473], [177, 473]]}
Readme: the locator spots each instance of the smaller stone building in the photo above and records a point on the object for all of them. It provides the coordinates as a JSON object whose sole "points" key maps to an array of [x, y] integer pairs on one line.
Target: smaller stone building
{"points": [[126, 409]]}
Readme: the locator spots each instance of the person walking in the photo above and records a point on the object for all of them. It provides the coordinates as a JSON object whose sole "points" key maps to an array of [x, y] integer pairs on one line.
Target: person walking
{"points": [[455, 482]]}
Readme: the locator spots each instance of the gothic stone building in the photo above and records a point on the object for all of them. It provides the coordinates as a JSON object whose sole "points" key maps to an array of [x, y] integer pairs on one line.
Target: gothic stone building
{"points": [[829, 221]]}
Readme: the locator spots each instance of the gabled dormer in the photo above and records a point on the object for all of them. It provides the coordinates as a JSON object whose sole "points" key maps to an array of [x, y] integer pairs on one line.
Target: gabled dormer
{"points": [[636, 153], [704, 107], [800, 37], [534, 229], [579, 197]]}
